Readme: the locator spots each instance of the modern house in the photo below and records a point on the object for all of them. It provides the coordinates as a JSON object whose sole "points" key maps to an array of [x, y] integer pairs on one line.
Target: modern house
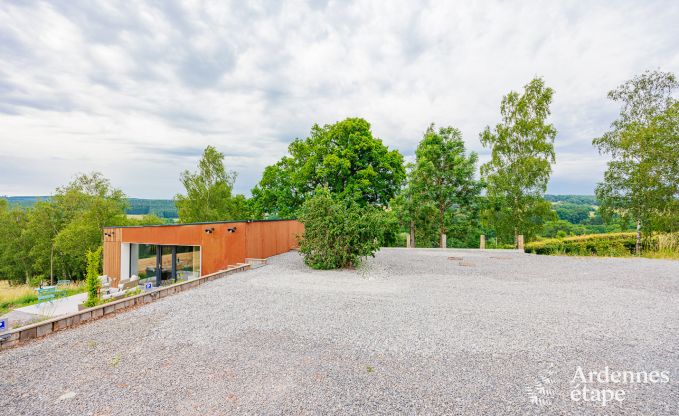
{"points": [[162, 254]]}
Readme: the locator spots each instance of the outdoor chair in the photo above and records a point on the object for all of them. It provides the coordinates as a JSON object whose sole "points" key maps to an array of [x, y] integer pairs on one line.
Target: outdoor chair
{"points": [[104, 284]]}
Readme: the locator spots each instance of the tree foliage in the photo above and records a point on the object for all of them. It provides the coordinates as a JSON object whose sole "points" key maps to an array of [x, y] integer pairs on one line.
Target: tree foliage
{"points": [[92, 283], [574, 213], [415, 213], [209, 192], [641, 181], [444, 175], [52, 237], [340, 232], [343, 158], [15, 265], [87, 204], [522, 152]]}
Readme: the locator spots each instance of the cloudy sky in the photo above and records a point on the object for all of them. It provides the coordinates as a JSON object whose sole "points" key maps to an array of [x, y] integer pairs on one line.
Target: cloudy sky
{"points": [[137, 89]]}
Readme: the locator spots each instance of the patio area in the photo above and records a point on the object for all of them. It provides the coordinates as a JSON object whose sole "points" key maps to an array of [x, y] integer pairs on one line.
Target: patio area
{"points": [[40, 311]]}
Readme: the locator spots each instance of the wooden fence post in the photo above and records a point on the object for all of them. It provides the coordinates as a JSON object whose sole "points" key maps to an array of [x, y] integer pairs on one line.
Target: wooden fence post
{"points": [[519, 241], [482, 244]]}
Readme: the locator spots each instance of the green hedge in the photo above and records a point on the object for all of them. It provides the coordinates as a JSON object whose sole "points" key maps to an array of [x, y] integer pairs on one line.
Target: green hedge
{"points": [[613, 244]]}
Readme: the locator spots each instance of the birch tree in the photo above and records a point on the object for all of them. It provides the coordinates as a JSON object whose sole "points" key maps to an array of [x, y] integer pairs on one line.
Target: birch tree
{"points": [[640, 182], [522, 154]]}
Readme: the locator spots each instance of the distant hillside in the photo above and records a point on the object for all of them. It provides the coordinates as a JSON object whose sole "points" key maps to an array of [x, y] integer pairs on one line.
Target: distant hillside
{"points": [[573, 199], [565, 205], [164, 208], [24, 201]]}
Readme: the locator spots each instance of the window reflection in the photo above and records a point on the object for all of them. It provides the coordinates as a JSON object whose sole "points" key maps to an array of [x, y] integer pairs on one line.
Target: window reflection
{"points": [[188, 262], [144, 262]]}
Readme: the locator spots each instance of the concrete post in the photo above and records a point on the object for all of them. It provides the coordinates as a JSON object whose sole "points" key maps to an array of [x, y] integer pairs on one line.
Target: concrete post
{"points": [[519, 241], [408, 245], [443, 241], [482, 244]]}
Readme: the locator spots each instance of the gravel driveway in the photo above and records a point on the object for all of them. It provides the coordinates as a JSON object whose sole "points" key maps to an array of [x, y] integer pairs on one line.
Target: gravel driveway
{"points": [[412, 332]]}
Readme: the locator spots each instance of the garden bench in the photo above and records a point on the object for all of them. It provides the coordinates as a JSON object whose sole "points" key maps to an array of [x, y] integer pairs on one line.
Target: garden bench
{"points": [[46, 294], [61, 288]]}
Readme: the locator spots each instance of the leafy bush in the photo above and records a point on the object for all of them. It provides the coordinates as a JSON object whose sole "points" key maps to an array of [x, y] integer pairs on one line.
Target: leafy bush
{"points": [[92, 279], [614, 244], [339, 233], [401, 240]]}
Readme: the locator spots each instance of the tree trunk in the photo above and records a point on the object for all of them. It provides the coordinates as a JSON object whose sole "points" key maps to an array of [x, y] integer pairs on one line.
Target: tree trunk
{"points": [[442, 226], [52, 265], [637, 248], [412, 234]]}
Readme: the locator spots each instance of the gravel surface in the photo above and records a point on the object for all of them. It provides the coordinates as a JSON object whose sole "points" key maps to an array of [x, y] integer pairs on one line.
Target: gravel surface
{"points": [[411, 332]]}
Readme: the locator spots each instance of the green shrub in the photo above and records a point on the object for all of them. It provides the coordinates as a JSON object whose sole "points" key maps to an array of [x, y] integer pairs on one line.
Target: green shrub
{"points": [[339, 233], [614, 244], [401, 240], [36, 281], [92, 280]]}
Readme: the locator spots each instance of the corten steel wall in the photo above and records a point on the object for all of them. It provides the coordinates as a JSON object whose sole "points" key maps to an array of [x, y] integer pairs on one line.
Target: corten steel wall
{"points": [[219, 249]]}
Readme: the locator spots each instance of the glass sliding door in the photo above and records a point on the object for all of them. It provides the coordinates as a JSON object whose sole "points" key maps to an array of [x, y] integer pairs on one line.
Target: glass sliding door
{"points": [[164, 264], [143, 262], [166, 275], [188, 262]]}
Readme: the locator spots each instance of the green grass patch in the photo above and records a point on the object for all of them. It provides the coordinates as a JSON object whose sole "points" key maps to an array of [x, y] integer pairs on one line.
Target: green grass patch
{"points": [[12, 297]]}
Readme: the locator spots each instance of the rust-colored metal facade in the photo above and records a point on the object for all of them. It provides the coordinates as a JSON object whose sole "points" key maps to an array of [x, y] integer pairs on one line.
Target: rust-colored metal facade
{"points": [[219, 247]]}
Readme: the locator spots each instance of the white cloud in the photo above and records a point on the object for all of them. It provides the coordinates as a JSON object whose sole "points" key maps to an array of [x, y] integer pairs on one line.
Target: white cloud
{"points": [[136, 90]]}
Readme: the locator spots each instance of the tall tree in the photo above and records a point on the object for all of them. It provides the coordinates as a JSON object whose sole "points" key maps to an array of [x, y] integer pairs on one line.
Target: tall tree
{"points": [[45, 221], [444, 173], [52, 237], [209, 192], [86, 204], [344, 158], [408, 205], [522, 152], [15, 264], [641, 181]]}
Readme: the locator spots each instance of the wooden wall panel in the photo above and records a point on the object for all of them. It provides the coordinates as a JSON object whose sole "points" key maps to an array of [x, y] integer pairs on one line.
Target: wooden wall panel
{"points": [[111, 262]]}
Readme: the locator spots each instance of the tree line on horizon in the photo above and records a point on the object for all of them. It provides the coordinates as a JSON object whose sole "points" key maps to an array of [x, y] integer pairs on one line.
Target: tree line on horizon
{"points": [[355, 194], [441, 193]]}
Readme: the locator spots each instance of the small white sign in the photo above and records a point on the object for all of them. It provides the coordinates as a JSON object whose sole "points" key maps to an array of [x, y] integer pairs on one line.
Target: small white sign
{"points": [[148, 286]]}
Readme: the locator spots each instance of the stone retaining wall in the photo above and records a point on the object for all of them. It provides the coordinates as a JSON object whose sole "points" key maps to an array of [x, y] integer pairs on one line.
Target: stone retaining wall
{"points": [[40, 329]]}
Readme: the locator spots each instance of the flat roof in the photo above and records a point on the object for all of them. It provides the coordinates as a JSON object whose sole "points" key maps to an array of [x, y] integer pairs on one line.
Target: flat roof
{"points": [[195, 223]]}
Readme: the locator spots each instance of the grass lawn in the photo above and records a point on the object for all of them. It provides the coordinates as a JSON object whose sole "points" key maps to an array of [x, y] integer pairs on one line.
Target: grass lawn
{"points": [[12, 297]]}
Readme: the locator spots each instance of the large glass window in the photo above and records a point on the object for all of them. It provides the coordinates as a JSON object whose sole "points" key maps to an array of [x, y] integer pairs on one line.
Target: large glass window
{"points": [[188, 262], [147, 259], [143, 261]]}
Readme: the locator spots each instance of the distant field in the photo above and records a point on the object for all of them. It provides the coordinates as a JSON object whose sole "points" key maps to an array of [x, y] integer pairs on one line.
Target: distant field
{"points": [[138, 207]]}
